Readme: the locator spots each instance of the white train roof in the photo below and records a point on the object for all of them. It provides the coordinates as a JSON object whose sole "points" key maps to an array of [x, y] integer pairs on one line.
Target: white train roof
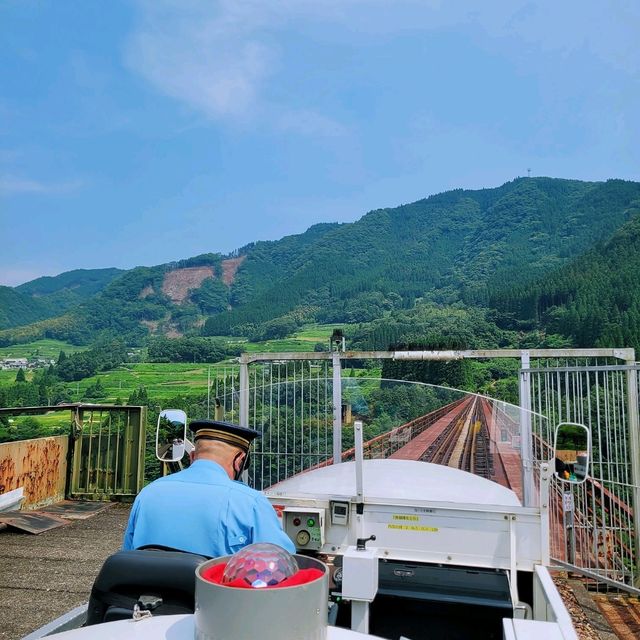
{"points": [[389, 480]]}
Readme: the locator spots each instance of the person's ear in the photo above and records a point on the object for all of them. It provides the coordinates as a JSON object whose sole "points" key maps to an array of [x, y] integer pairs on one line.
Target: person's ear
{"points": [[192, 455], [238, 462]]}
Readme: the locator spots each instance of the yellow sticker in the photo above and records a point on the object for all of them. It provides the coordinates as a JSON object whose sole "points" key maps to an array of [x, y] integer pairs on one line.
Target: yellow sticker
{"points": [[412, 527], [403, 517]]}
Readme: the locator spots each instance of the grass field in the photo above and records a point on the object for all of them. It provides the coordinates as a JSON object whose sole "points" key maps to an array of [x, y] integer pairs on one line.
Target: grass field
{"points": [[161, 380], [53, 419], [303, 340], [42, 348], [52, 423], [8, 376]]}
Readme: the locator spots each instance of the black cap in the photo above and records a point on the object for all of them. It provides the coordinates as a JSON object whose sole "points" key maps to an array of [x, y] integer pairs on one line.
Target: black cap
{"points": [[233, 434]]}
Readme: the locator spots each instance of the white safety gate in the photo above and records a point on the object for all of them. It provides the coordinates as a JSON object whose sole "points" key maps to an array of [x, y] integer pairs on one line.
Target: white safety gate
{"points": [[592, 525]]}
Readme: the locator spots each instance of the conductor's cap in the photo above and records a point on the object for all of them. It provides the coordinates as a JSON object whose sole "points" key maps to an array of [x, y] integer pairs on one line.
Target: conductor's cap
{"points": [[232, 434]]}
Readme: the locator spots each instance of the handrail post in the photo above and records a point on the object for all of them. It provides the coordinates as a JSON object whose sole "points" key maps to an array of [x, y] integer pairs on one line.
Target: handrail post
{"points": [[526, 449], [244, 394], [337, 408], [634, 445]]}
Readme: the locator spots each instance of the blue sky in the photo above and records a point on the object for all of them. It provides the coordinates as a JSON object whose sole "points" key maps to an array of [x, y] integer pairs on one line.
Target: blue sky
{"points": [[142, 132]]}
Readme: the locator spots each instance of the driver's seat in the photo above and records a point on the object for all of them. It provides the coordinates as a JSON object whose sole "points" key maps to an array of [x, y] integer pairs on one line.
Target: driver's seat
{"points": [[162, 582]]}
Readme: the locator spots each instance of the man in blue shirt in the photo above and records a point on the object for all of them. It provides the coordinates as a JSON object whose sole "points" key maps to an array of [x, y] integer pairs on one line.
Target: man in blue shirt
{"points": [[204, 509]]}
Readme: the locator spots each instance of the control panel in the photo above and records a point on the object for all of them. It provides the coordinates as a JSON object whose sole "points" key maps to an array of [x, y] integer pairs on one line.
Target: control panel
{"points": [[305, 527]]}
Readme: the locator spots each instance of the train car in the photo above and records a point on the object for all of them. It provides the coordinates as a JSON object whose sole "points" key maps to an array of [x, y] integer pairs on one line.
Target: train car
{"points": [[410, 550]]}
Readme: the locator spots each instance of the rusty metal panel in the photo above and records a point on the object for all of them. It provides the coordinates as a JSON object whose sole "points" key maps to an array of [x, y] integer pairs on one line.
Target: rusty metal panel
{"points": [[75, 509], [39, 466], [32, 521]]}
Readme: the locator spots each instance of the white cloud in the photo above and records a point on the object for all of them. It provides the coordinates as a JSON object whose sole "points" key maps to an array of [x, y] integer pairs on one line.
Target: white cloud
{"points": [[12, 185], [219, 57], [207, 55]]}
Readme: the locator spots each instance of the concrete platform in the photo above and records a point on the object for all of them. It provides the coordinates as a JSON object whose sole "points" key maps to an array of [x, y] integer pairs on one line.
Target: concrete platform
{"points": [[43, 576]]}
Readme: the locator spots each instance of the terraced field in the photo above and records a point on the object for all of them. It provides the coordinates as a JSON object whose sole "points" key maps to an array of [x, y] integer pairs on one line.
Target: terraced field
{"points": [[161, 380], [40, 348]]}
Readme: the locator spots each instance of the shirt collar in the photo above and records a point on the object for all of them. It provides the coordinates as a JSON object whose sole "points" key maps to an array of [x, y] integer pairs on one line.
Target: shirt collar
{"points": [[209, 465]]}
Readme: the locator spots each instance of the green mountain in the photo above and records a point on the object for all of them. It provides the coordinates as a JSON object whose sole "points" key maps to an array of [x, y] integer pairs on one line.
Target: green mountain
{"points": [[48, 297], [453, 246], [457, 247], [72, 287], [17, 308], [594, 300]]}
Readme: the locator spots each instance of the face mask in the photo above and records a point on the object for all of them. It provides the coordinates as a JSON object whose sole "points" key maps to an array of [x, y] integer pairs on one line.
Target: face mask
{"points": [[245, 465]]}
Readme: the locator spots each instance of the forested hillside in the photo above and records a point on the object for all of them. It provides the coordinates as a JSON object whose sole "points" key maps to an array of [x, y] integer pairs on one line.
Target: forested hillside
{"points": [[136, 303], [471, 248], [594, 300], [76, 285], [447, 248], [18, 308], [47, 297]]}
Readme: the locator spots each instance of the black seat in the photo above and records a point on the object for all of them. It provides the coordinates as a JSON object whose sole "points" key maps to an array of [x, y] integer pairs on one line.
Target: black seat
{"points": [[160, 581]]}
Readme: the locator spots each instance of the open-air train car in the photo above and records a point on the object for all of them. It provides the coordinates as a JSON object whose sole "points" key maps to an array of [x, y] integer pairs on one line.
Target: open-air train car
{"points": [[413, 550]]}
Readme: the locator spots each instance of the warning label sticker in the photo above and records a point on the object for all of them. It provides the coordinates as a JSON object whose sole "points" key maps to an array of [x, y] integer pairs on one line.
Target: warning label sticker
{"points": [[412, 527]]}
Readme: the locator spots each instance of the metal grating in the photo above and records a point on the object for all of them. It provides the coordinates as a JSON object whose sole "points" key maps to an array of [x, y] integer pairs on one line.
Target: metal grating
{"points": [[108, 452]]}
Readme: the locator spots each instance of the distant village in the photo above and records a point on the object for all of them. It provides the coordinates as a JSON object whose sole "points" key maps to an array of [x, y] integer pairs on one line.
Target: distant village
{"points": [[25, 363]]}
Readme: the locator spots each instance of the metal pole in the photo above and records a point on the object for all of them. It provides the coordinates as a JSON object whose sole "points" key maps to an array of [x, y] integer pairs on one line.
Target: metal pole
{"points": [[244, 394], [526, 448], [337, 409], [208, 393], [634, 446], [545, 480], [357, 428], [568, 510]]}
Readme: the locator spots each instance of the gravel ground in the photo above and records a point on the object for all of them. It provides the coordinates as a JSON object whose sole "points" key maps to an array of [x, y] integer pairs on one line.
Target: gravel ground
{"points": [[581, 622], [43, 576]]}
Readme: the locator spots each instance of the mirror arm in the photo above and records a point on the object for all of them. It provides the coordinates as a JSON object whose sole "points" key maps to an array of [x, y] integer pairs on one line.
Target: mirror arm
{"points": [[546, 473]]}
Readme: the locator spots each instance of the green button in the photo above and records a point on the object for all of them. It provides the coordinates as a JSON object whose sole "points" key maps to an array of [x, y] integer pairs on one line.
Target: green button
{"points": [[311, 522]]}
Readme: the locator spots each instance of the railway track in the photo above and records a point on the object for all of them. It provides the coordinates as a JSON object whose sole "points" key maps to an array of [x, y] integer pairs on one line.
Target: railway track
{"points": [[469, 435], [464, 443]]}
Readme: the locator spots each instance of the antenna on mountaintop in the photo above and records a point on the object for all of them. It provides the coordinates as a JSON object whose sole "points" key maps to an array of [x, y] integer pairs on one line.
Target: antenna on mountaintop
{"points": [[528, 173]]}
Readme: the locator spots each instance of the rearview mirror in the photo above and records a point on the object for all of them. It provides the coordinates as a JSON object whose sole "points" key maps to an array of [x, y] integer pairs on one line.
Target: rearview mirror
{"points": [[572, 452], [171, 435]]}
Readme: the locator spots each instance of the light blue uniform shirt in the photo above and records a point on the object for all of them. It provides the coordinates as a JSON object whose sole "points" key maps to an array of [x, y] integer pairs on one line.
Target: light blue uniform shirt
{"points": [[201, 510]]}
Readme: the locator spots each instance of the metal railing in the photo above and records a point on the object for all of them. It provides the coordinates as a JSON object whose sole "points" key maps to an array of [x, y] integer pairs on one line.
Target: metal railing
{"points": [[592, 526], [101, 457], [108, 448]]}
